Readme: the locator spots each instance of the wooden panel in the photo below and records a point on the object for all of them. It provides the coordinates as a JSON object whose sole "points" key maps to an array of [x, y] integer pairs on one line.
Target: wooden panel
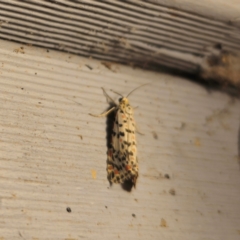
{"points": [[53, 154], [175, 34], [226, 11]]}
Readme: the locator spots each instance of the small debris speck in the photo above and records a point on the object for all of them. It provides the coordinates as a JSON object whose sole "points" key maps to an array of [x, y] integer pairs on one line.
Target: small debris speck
{"points": [[94, 174], [133, 215], [167, 176], [107, 65], [163, 223], [106, 206], [218, 46], [89, 67], [69, 209], [155, 136], [172, 192]]}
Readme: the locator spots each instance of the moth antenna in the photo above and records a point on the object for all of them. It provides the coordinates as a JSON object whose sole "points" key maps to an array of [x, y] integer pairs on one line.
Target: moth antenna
{"points": [[137, 88], [117, 93]]}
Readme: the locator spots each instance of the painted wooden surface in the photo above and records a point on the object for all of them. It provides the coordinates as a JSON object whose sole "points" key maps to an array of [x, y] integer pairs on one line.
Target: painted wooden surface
{"points": [[175, 34], [218, 10], [53, 154]]}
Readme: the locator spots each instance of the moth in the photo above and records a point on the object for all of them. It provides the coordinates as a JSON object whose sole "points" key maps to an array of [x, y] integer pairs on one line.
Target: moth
{"points": [[122, 162]]}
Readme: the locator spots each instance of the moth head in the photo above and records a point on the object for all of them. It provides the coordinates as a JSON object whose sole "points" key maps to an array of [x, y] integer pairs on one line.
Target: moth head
{"points": [[123, 100]]}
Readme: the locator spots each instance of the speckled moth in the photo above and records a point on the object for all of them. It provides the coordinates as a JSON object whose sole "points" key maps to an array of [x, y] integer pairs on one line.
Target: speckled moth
{"points": [[122, 163]]}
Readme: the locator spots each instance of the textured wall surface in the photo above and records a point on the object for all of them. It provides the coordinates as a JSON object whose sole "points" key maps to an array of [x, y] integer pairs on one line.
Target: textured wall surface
{"points": [[176, 34], [53, 154], [53, 177]]}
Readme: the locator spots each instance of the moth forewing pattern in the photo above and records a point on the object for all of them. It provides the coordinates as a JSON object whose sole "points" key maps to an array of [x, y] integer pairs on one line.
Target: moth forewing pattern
{"points": [[122, 163]]}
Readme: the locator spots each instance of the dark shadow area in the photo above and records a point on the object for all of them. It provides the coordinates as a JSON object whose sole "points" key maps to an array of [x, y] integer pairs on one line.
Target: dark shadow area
{"points": [[109, 125], [127, 185], [210, 84]]}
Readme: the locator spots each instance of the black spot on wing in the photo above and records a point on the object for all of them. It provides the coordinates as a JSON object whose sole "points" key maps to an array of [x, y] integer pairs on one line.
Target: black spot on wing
{"points": [[130, 153], [127, 143]]}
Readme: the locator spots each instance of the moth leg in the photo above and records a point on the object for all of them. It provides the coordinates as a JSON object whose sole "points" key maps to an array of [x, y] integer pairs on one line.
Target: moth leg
{"points": [[103, 114], [109, 99], [137, 130]]}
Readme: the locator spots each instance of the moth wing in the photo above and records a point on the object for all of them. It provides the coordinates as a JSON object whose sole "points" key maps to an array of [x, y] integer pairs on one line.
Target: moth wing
{"points": [[122, 159]]}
